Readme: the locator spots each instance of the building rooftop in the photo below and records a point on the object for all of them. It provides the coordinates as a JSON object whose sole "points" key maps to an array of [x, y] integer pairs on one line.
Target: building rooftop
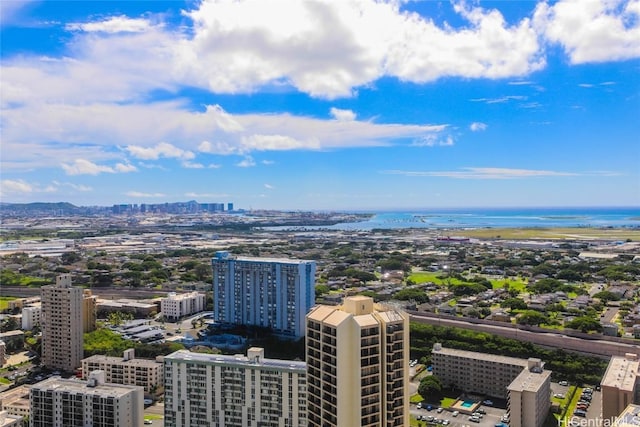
{"points": [[529, 380], [630, 417], [236, 360], [621, 372], [480, 356], [99, 358], [77, 386]]}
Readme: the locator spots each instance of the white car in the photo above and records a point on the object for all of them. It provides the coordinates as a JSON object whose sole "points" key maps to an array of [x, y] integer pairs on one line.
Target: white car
{"points": [[455, 413]]}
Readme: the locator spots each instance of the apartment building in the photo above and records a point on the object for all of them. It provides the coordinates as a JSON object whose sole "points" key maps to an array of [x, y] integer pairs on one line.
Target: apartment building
{"points": [[620, 385], [470, 371], [524, 382], [630, 417], [89, 311], [31, 316], [530, 396], [57, 402], [15, 401], [269, 292], [357, 365], [234, 391], [61, 324], [10, 420], [176, 306], [128, 370]]}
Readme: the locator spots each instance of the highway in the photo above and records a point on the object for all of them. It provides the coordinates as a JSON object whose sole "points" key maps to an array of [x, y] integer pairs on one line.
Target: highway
{"points": [[595, 347]]}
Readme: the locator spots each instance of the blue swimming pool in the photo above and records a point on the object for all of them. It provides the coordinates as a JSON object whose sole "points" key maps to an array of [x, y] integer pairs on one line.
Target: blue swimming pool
{"points": [[467, 403]]}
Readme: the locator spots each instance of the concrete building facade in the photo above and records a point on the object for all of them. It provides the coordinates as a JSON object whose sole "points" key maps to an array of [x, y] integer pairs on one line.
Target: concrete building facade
{"points": [[57, 402], [15, 401], [146, 373], [234, 391], [620, 385], [176, 306], [269, 292], [89, 311], [524, 383], [357, 365], [31, 316], [61, 324], [530, 396]]}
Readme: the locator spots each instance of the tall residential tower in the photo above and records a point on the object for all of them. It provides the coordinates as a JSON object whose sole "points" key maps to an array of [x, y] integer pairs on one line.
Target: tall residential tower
{"points": [[61, 323], [270, 292], [357, 365]]}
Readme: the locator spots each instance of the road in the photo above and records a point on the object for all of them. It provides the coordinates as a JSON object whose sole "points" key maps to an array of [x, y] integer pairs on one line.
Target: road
{"points": [[549, 339]]}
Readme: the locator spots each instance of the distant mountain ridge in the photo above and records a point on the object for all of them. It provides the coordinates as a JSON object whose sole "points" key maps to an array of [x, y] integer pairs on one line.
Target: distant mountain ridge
{"points": [[40, 207]]}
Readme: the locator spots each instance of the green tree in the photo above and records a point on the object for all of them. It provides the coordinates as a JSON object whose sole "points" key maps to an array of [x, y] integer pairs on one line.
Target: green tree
{"points": [[430, 388], [514, 304], [584, 324], [531, 317]]}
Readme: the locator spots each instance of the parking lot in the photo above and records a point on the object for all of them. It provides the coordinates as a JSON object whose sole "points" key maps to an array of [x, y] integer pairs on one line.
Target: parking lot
{"points": [[442, 416]]}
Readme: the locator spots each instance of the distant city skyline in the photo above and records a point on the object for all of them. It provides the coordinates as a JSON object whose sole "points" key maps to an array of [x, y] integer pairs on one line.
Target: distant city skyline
{"points": [[321, 105]]}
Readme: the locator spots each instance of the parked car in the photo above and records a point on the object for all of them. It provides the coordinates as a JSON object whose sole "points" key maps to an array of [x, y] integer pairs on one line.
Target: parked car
{"points": [[564, 383], [455, 413], [487, 402]]}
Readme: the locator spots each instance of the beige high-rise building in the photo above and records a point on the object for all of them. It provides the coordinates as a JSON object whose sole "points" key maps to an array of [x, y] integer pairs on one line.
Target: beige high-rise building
{"points": [[357, 365], [61, 324], [620, 385], [89, 311]]}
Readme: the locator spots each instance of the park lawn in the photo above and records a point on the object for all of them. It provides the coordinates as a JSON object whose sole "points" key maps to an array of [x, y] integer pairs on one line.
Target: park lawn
{"points": [[437, 278], [4, 302], [4, 380], [553, 233], [517, 284]]}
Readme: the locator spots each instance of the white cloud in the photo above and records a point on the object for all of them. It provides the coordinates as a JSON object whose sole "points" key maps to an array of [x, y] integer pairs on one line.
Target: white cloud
{"points": [[144, 195], [484, 173], [269, 186], [77, 187], [592, 30], [114, 24], [125, 167], [433, 141], [206, 195], [501, 99], [247, 162], [478, 126], [192, 165], [162, 149], [10, 186], [214, 166], [267, 162], [342, 115], [85, 167]]}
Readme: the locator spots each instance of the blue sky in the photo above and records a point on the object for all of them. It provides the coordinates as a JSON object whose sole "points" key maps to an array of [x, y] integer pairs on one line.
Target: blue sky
{"points": [[321, 105]]}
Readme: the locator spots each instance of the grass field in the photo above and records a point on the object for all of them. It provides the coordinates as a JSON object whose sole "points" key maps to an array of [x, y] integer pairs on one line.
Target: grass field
{"points": [[4, 302], [576, 233], [439, 279]]}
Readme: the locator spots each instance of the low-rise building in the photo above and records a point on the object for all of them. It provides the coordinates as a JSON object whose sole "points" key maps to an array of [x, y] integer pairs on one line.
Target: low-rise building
{"points": [[9, 420], [128, 370], [31, 316], [176, 306], [15, 401], [630, 417], [524, 383], [210, 389], [58, 402]]}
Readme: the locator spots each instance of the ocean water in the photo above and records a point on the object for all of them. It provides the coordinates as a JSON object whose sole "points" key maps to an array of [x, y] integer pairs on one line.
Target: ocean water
{"points": [[499, 218]]}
